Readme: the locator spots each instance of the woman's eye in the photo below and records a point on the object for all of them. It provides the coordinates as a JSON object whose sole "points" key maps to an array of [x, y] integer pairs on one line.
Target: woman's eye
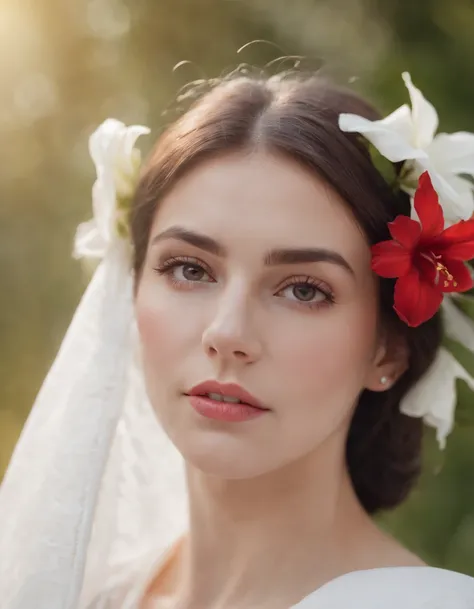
{"points": [[304, 292], [183, 273], [190, 272]]}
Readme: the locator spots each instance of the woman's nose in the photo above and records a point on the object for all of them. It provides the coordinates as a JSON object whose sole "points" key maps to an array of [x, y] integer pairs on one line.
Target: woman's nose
{"points": [[230, 337]]}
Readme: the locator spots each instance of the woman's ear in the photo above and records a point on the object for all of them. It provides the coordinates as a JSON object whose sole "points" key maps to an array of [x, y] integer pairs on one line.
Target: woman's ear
{"points": [[389, 363]]}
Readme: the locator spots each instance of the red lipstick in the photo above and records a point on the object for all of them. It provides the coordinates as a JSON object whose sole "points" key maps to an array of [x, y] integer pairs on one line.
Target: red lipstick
{"points": [[225, 402]]}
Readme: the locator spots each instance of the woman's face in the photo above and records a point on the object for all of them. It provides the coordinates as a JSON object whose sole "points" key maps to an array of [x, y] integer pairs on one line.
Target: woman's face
{"points": [[257, 274]]}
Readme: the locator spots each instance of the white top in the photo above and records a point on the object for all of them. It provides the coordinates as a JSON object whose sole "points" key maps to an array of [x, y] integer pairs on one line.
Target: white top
{"points": [[381, 588]]}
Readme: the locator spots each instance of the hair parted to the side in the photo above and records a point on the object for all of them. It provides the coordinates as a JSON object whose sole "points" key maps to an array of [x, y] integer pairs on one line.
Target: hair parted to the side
{"points": [[297, 117]]}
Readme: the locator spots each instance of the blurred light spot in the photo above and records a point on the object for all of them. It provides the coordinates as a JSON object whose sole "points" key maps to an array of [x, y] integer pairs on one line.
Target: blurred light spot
{"points": [[35, 96], [20, 39], [129, 107], [108, 19]]}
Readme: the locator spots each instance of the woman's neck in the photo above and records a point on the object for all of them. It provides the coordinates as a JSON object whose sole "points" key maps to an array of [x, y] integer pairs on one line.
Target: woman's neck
{"points": [[273, 539]]}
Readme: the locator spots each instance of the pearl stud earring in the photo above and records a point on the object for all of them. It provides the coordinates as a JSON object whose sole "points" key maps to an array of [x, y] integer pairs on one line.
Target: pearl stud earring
{"points": [[384, 380]]}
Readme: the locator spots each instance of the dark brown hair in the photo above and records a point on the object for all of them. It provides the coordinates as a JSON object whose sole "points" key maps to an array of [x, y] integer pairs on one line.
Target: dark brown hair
{"points": [[297, 117]]}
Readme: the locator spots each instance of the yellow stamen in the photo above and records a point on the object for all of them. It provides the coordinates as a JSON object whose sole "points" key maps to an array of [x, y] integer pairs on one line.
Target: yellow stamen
{"points": [[441, 270]]}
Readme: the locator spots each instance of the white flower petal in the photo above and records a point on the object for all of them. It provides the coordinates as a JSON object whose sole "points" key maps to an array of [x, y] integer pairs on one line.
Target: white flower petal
{"points": [[465, 195], [103, 146], [128, 144], [112, 149], [455, 196], [104, 201], [409, 135], [424, 115], [88, 242], [434, 396], [453, 152], [101, 141], [387, 135], [400, 121], [457, 325]]}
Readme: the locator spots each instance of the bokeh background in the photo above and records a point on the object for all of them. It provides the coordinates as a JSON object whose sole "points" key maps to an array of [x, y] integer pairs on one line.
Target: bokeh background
{"points": [[66, 65]]}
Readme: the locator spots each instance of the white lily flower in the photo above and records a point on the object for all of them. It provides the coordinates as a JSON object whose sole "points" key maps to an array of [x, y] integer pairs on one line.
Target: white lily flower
{"points": [[409, 134], [434, 398], [458, 325], [117, 162]]}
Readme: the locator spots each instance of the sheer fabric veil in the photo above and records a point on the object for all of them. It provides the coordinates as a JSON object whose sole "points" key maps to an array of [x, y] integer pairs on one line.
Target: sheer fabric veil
{"points": [[93, 482]]}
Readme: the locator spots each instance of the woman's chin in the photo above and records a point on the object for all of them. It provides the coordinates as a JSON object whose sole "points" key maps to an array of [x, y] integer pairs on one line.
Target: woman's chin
{"points": [[222, 455]]}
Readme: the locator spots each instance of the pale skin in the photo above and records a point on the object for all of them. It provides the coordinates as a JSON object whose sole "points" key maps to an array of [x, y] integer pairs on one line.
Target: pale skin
{"points": [[273, 512]]}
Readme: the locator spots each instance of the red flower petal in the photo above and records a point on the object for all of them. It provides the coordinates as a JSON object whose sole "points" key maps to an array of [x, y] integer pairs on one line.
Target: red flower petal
{"points": [[457, 241], [461, 274], [428, 208], [390, 259], [405, 230], [416, 300], [427, 269]]}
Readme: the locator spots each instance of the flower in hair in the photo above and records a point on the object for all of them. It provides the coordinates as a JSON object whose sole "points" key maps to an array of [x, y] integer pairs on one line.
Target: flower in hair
{"points": [[409, 134], [117, 162], [427, 260], [433, 398]]}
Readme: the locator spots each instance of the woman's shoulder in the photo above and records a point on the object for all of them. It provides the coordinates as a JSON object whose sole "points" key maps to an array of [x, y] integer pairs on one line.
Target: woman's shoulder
{"points": [[395, 588], [390, 588], [128, 582]]}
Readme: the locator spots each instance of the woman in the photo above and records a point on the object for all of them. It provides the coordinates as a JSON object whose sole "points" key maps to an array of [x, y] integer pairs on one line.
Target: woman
{"points": [[273, 359]]}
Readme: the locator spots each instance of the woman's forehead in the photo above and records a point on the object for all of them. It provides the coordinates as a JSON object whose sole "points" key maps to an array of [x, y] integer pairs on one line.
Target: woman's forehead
{"points": [[258, 195]]}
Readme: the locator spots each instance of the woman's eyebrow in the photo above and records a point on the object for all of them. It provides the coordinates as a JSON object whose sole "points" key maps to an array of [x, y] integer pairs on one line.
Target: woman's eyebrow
{"points": [[305, 255], [200, 241], [275, 257]]}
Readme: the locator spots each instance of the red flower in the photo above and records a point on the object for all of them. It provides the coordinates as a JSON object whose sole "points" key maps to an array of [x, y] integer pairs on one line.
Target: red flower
{"points": [[427, 259]]}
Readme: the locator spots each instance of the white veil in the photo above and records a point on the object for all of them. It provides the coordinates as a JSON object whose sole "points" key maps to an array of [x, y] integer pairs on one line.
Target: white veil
{"points": [[94, 483]]}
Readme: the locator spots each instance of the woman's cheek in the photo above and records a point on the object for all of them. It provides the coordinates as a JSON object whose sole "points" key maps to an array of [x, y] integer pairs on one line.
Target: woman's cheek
{"points": [[168, 322], [156, 324], [321, 356]]}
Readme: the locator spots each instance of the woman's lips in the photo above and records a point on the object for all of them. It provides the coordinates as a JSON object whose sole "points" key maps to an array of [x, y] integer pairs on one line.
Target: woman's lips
{"points": [[224, 411], [225, 402]]}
